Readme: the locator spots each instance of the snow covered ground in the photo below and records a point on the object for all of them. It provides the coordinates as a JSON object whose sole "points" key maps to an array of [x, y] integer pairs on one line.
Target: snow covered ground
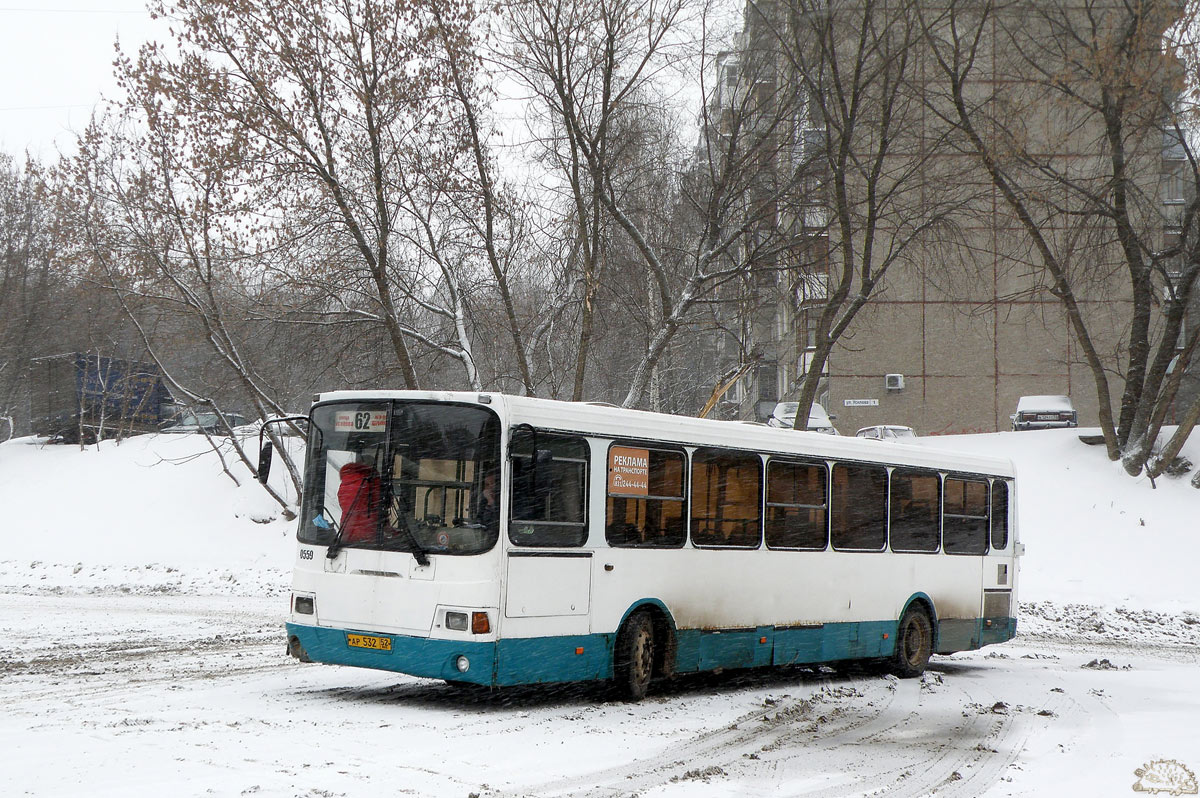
{"points": [[141, 653]]}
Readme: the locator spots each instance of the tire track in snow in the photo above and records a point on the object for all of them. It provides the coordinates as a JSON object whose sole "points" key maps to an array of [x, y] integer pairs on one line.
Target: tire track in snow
{"points": [[879, 736], [948, 734], [844, 704], [87, 649]]}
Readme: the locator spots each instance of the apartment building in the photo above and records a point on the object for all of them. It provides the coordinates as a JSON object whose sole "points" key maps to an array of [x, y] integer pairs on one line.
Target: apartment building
{"points": [[966, 320]]}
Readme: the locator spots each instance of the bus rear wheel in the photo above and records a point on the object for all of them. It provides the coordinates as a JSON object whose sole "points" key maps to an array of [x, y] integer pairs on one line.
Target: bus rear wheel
{"points": [[914, 643], [633, 665]]}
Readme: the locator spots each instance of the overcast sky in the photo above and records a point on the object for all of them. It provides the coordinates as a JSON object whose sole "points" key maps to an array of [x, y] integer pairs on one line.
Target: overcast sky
{"points": [[56, 63]]}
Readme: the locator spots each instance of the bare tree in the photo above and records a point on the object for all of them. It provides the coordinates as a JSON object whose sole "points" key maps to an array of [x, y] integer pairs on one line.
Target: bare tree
{"points": [[865, 155], [344, 112], [1091, 203], [156, 222], [27, 275], [599, 71]]}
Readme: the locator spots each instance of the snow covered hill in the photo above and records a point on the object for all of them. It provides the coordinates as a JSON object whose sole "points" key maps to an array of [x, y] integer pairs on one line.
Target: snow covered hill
{"points": [[152, 514], [1094, 535], [142, 595], [157, 513]]}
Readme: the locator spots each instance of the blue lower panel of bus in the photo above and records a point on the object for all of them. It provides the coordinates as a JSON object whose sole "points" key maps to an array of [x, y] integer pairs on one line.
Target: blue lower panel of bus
{"points": [[971, 633], [505, 662], [514, 661], [418, 656]]}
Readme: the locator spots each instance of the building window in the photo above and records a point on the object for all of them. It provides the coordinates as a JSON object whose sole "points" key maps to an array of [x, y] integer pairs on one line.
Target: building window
{"points": [[806, 328], [1173, 186], [768, 383]]}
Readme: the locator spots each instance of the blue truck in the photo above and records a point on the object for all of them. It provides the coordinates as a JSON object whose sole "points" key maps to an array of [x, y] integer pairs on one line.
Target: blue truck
{"points": [[79, 397]]}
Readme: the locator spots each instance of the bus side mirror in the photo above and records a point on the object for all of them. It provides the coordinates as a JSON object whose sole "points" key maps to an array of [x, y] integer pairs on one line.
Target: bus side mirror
{"points": [[264, 462], [264, 445]]}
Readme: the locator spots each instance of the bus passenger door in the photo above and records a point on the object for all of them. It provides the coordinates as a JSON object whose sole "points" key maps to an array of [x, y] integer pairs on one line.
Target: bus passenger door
{"points": [[999, 570], [548, 573]]}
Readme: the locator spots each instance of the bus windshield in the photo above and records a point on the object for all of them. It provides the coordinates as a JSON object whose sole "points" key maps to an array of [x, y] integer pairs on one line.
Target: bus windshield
{"points": [[402, 476]]}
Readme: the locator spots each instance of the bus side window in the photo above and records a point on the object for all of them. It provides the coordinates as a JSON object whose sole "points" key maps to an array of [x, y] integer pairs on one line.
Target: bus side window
{"points": [[965, 516], [557, 516], [999, 514], [644, 503], [915, 499], [859, 517], [797, 504], [726, 491]]}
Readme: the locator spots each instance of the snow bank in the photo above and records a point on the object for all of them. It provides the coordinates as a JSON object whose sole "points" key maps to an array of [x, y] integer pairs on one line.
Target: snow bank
{"points": [[156, 514], [1093, 534]]}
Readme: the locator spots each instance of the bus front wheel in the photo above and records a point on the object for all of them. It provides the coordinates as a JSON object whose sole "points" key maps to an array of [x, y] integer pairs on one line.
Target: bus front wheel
{"points": [[914, 643], [633, 664]]}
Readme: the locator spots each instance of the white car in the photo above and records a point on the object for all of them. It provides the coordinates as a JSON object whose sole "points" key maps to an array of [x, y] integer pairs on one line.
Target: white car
{"points": [[784, 415], [1044, 412], [195, 422], [252, 428], [886, 432]]}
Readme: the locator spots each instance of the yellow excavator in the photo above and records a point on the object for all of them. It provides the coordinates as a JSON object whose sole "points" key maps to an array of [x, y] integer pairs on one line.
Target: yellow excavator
{"points": [[727, 381]]}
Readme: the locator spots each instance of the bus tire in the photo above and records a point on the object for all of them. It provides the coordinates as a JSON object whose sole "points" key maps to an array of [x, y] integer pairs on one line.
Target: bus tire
{"points": [[914, 643], [633, 663]]}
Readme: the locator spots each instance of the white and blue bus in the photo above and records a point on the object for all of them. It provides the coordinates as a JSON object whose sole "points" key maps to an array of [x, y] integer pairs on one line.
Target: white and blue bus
{"points": [[502, 540]]}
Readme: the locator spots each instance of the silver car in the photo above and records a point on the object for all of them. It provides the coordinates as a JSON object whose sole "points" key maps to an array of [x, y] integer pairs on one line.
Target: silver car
{"points": [[886, 432], [784, 415]]}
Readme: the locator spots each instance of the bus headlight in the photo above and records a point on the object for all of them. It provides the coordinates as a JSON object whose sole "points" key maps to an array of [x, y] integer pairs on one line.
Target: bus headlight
{"points": [[462, 663], [456, 621], [303, 605]]}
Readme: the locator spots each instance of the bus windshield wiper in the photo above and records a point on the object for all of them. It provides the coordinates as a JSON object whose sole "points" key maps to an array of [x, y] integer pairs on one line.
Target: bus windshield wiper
{"points": [[405, 529], [336, 543]]}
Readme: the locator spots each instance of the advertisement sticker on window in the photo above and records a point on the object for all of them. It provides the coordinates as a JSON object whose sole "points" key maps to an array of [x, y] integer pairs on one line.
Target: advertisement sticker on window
{"points": [[629, 471]]}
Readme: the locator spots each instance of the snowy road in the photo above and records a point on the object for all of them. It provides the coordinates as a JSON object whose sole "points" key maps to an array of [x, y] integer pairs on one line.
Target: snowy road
{"points": [[114, 694]]}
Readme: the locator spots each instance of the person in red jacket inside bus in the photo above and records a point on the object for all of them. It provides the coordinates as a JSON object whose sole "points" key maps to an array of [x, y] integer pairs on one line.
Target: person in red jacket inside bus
{"points": [[361, 496]]}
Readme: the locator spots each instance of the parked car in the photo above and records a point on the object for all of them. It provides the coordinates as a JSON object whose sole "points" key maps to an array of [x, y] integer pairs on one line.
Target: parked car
{"points": [[886, 432], [1044, 412], [295, 429], [203, 421], [784, 415]]}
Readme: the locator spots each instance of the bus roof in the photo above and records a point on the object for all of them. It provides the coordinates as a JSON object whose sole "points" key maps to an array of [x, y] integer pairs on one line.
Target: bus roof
{"points": [[620, 423]]}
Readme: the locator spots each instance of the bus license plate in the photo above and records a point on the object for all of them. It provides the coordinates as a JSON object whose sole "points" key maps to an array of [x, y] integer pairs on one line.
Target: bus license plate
{"points": [[368, 641]]}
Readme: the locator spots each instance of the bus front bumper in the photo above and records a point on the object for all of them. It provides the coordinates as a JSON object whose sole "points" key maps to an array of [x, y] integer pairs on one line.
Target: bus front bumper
{"points": [[417, 656], [509, 661]]}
